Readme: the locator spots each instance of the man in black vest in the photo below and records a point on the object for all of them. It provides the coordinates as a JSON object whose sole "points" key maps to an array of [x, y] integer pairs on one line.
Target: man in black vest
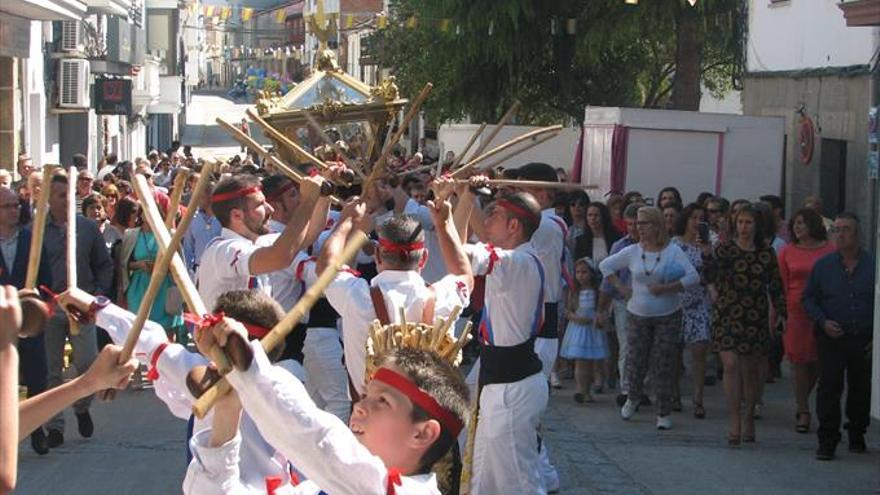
{"points": [[15, 244]]}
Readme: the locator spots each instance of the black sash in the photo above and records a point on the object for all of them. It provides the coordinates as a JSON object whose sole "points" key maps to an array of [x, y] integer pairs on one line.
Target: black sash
{"points": [[508, 364]]}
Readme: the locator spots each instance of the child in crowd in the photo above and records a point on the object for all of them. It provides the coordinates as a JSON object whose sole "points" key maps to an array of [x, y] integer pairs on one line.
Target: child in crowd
{"points": [[584, 342]]}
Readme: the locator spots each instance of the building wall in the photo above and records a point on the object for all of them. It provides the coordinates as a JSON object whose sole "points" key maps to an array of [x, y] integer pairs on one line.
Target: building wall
{"points": [[838, 107], [799, 34]]}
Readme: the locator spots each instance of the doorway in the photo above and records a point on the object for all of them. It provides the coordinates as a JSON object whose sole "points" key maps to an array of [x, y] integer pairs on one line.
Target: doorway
{"points": [[832, 176]]}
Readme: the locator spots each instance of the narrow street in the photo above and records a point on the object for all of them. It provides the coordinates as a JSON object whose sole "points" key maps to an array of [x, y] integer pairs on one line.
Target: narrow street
{"points": [[138, 447]]}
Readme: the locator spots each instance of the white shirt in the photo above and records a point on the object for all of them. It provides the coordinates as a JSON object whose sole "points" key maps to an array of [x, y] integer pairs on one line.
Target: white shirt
{"points": [[350, 297], [649, 268], [514, 307], [549, 244], [256, 458], [318, 443], [225, 266]]}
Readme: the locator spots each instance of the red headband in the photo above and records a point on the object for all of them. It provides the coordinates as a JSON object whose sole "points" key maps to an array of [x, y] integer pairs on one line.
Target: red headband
{"points": [[209, 320], [281, 190], [517, 210], [395, 247], [239, 193], [420, 398]]}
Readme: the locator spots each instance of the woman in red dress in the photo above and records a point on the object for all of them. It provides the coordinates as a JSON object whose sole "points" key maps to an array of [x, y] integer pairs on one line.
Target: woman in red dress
{"points": [[796, 260]]}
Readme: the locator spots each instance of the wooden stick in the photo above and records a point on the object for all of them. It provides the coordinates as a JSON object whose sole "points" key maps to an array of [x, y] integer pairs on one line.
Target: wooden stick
{"points": [[277, 335], [500, 125], [264, 153], [339, 152], [467, 148], [281, 138], [379, 166], [535, 183], [164, 239], [504, 146], [39, 228], [166, 255], [176, 193], [518, 152], [72, 176]]}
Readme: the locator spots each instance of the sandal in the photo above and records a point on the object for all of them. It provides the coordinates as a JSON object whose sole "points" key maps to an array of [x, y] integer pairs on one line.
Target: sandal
{"points": [[699, 410], [802, 426]]}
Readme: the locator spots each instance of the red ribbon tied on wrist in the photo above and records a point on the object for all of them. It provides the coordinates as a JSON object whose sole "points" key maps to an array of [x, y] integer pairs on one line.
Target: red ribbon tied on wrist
{"points": [[402, 248], [153, 372]]}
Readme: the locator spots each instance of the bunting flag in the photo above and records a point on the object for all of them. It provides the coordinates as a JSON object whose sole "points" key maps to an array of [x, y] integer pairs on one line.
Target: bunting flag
{"points": [[444, 25], [412, 22], [381, 21], [246, 13], [226, 13], [280, 16], [349, 21], [209, 11]]}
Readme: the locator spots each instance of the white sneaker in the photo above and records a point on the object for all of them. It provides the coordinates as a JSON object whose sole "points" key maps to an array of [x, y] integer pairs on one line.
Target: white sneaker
{"points": [[554, 380], [629, 409], [664, 422]]}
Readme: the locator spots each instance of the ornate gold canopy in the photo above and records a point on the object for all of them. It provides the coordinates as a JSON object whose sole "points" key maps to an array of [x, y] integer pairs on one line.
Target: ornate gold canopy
{"points": [[359, 113]]}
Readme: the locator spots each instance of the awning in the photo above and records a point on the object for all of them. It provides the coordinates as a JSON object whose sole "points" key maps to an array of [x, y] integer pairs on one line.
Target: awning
{"points": [[45, 10]]}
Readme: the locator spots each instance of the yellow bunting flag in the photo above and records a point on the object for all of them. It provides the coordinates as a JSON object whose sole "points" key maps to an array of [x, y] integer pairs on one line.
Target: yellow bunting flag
{"points": [[444, 25], [349, 21], [412, 22], [226, 13], [209, 11], [381, 21], [246, 13], [280, 16]]}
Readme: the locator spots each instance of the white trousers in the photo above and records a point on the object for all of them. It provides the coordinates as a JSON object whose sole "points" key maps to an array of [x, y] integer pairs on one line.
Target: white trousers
{"points": [[547, 349], [506, 446], [327, 381]]}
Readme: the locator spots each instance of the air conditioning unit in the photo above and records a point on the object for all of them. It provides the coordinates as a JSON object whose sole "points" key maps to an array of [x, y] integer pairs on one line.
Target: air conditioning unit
{"points": [[71, 36], [73, 83]]}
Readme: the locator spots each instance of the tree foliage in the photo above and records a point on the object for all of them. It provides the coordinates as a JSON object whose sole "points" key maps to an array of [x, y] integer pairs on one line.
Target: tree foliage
{"points": [[497, 51]]}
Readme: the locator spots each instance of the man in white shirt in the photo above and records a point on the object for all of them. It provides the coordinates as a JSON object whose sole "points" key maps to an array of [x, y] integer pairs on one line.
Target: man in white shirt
{"points": [[513, 391], [400, 256], [237, 259]]}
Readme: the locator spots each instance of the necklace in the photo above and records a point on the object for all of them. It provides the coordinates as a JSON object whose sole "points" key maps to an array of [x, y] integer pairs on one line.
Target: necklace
{"points": [[645, 263]]}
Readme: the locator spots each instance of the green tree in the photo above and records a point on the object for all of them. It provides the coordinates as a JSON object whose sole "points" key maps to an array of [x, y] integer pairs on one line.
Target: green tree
{"points": [[496, 51]]}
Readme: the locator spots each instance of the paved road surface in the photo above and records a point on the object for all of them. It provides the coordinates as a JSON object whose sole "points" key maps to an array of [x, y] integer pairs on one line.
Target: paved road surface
{"points": [[138, 447]]}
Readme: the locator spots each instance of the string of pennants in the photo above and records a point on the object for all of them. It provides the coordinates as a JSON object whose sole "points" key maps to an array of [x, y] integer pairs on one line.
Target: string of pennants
{"points": [[380, 20], [240, 52]]}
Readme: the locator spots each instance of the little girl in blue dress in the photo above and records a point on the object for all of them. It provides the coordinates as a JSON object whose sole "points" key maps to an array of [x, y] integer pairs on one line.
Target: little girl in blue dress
{"points": [[583, 342]]}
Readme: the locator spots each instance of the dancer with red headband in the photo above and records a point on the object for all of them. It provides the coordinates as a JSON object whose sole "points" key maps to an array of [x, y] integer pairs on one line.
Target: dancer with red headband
{"points": [[175, 371], [239, 259], [414, 407], [400, 255], [513, 392]]}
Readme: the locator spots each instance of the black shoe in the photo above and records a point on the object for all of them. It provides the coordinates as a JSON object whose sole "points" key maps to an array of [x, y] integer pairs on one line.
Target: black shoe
{"points": [[857, 443], [826, 449], [56, 438], [39, 442], [710, 381], [621, 400], [646, 401], [84, 422]]}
